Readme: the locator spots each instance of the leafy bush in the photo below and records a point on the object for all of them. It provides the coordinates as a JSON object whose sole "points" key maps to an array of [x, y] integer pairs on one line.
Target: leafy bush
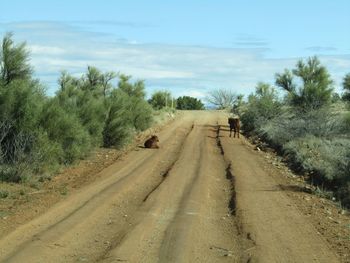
{"points": [[346, 86], [141, 113], [329, 158], [189, 103], [71, 141], [37, 134], [262, 106], [118, 129], [21, 104], [160, 99], [4, 193], [315, 91], [289, 125]]}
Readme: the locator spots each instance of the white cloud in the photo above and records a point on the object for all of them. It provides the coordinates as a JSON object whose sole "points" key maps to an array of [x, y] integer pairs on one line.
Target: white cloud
{"points": [[45, 50], [184, 70]]}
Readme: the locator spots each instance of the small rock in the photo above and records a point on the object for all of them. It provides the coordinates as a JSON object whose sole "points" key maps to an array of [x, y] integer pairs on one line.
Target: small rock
{"points": [[344, 212]]}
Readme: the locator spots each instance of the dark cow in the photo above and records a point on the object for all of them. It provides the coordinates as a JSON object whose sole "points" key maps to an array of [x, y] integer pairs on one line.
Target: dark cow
{"points": [[152, 142], [234, 125]]}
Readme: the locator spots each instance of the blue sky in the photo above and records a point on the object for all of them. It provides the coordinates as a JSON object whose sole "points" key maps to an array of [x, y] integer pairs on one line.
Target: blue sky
{"points": [[187, 47]]}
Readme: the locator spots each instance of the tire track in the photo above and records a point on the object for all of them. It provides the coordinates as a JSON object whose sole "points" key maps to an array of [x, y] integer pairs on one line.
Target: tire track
{"points": [[85, 209], [166, 173], [245, 240]]}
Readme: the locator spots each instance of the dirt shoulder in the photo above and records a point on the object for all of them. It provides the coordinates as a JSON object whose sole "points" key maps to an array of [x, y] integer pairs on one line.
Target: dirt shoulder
{"points": [[279, 214]]}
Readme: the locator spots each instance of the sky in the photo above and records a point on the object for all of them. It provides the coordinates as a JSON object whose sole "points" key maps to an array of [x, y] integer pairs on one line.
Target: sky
{"points": [[185, 47]]}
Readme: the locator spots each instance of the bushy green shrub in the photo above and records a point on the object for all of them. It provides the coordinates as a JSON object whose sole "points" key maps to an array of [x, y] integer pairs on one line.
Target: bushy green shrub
{"points": [[141, 113], [92, 114], [189, 103], [66, 131], [118, 128], [290, 125], [315, 90], [262, 106], [327, 160], [160, 100], [37, 133]]}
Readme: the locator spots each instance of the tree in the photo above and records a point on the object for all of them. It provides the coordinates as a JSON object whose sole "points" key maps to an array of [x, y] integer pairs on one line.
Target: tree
{"points": [[160, 99], [346, 86], [222, 98], [236, 109], [13, 61], [106, 82], [189, 103], [316, 89], [263, 105], [137, 89]]}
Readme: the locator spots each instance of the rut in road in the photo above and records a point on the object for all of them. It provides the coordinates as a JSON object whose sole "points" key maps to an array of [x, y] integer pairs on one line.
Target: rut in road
{"points": [[187, 218], [166, 173]]}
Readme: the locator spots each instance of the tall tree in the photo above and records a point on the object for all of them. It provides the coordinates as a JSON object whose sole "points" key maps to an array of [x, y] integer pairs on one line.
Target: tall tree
{"points": [[137, 89], [14, 60], [315, 90], [189, 103], [346, 86], [222, 98], [161, 99]]}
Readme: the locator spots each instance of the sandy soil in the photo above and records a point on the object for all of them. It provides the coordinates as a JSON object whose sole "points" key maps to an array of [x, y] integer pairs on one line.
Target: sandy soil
{"points": [[201, 197]]}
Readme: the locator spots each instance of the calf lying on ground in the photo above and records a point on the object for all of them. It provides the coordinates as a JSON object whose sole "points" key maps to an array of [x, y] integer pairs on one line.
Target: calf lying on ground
{"points": [[234, 125], [152, 142]]}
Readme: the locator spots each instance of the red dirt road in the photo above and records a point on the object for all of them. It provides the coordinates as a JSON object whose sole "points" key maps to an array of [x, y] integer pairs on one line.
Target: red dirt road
{"points": [[201, 197]]}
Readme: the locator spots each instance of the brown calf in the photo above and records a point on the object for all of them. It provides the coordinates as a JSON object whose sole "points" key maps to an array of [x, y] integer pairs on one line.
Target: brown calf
{"points": [[234, 125], [152, 142]]}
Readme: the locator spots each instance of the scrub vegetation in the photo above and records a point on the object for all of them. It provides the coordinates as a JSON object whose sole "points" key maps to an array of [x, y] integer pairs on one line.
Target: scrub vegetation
{"points": [[38, 134], [309, 125]]}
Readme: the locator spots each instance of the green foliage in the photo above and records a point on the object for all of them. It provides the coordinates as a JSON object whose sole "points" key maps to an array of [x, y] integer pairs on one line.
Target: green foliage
{"points": [[141, 114], [4, 193], [21, 99], [135, 90], [262, 106], [161, 99], [127, 114], [189, 103], [316, 142], [13, 61], [315, 91], [37, 134], [118, 129], [346, 86], [69, 138], [21, 103]]}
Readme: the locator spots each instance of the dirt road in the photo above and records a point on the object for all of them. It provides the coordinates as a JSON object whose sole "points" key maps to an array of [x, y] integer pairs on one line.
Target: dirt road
{"points": [[201, 197]]}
